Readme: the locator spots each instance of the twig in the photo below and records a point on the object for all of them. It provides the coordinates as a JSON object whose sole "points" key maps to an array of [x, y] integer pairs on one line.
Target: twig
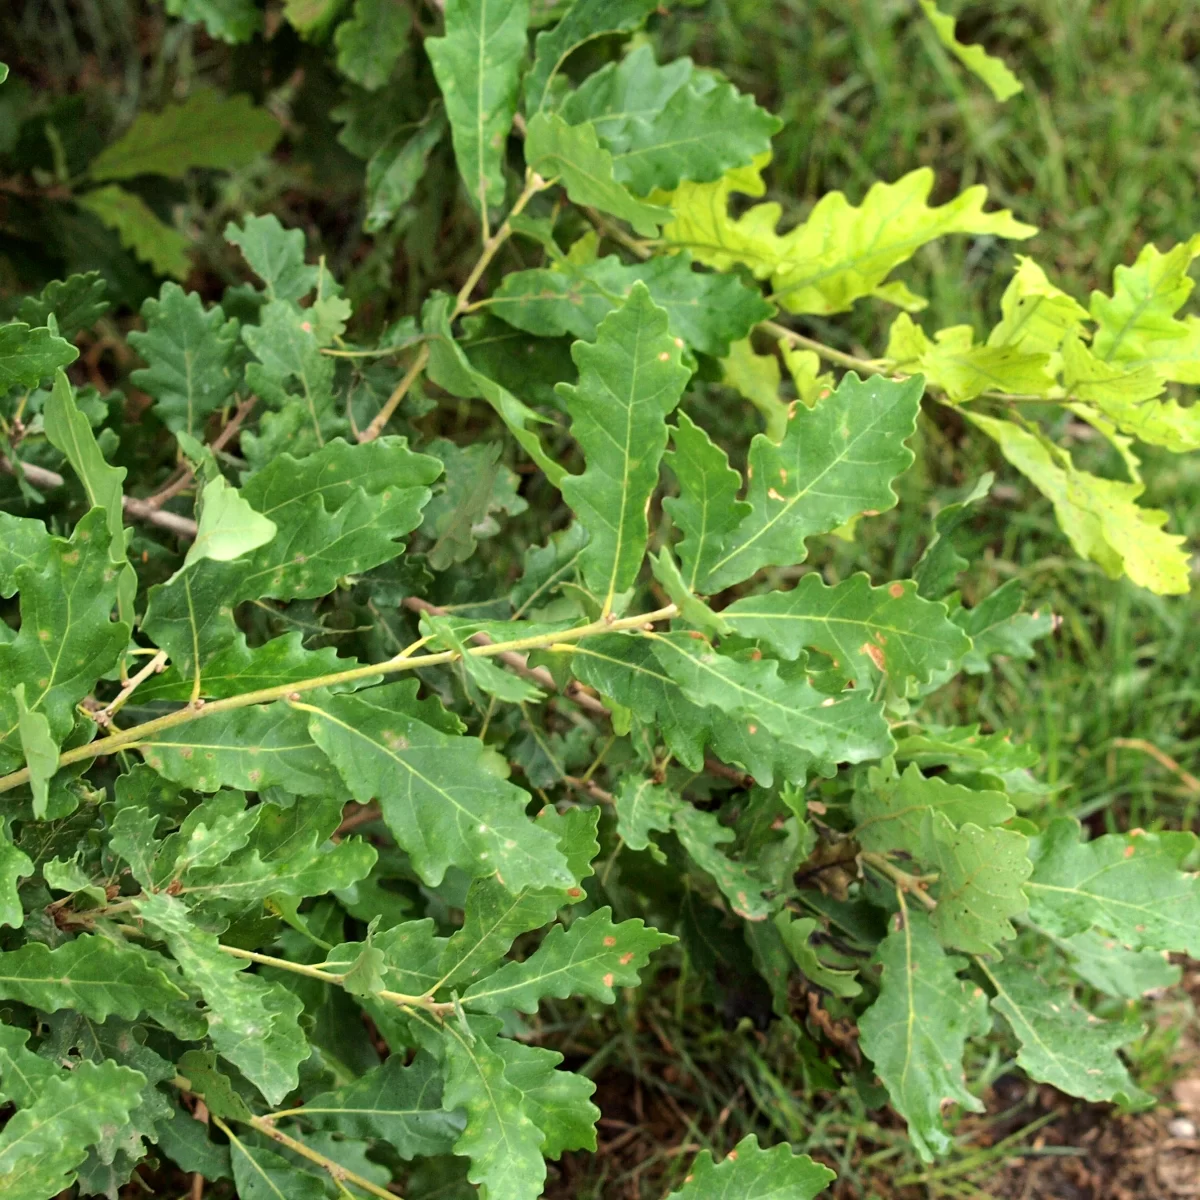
{"points": [[589, 789], [912, 884], [187, 472], [384, 415], [871, 366], [335, 1170], [519, 663], [42, 477], [534, 183], [105, 715], [135, 735]]}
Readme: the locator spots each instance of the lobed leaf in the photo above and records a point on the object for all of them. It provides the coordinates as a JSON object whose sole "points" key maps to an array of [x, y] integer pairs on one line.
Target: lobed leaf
{"points": [[836, 461], [208, 129], [1099, 516], [630, 380], [994, 72], [478, 68], [749, 1172], [666, 124], [191, 356], [915, 1031], [587, 959], [863, 629], [1061, 1042], [439, 792]]}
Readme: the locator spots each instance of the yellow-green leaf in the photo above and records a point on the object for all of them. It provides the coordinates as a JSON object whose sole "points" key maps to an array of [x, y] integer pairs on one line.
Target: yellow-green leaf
{"points": [[1100, 516], [992, 71]]}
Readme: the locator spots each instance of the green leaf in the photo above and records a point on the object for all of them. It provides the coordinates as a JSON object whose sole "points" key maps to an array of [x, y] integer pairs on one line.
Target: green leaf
{"points": [[260, 1174], [477, 485], [501, 1139], [239, 669], [630, 380], [1116, 970], [587, 959], [916, 1031], [67, 639], [1099, 516], [399, 1105], [23, 1074], [484, 673], [1132, 886], [572, 155], [626, 668], [1001, 82], [229, 528], [841, 253], [863, 629], [546, 568], [70, 1036], [450, 368], [692, 610], [837, 460], [140, 230], [848, 727], [749, 1172], [937, 571], [288, 853], [199, 1068], [68, 430], [996, 625], [558, 1102], [707, 509], [707, 310], [24, 542], [275, 255], [99, 978], [370, 42], [192, 358], [398, 166], [338, 512], [583, 22], [979, 886], [27, 356], [1061, 1042], [700, 833], [494, 916], [40, 751], [208, 129], [891, 809], [43, 1145], [797, 936], [667, 124], [757, 378], [962, 369], [1137, 325], [439, 792], [252, 748], [15, 864], [77, 303], [252, 1022], [644, 807], [478, 68], [228, 20], [1035, 315]]}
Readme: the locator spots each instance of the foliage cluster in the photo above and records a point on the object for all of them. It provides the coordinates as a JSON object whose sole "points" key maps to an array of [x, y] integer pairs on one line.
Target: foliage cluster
{"points": [[333, 746]]}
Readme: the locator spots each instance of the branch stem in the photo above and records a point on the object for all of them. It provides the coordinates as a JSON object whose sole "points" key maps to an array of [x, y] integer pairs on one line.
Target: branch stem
{"points": [[335, 1170], [902, 879], [130, 738]]}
